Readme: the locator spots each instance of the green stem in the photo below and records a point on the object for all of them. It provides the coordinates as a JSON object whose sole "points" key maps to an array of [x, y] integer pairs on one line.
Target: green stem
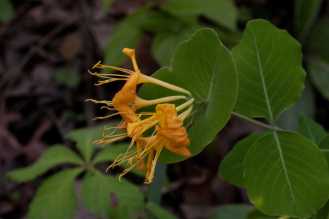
{"points": [[256, 122]]}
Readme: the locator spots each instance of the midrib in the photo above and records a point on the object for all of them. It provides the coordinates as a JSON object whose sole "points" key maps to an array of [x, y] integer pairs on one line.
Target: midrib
{"points": [[271, 117]]}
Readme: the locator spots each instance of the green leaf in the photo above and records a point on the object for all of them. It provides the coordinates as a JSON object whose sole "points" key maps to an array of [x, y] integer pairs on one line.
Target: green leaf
{"points": [[6, 10], [55, 198], [53, 156], [159, 212], [306, 12], [110, 152], [311, 130], [324, 147], [318, 60], [67, 77], [203, 66], [84, 140], [106, 4], [231, 168], [222, 12], [323, 213], [317, 45], [237, 211], [286, 174], [259, 215], [269, 63], [165, 43], [319, 72], [161, 22], [106, 196]]}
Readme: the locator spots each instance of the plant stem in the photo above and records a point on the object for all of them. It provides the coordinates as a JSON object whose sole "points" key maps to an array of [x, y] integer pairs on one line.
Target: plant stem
{"points": [[256, 122]]}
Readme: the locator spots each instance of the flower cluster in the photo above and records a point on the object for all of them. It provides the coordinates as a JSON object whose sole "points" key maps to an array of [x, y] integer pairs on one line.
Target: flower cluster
{"points": [[150, 132]]}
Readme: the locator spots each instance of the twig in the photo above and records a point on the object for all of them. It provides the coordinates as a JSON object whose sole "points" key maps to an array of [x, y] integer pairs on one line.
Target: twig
{"points": [[12, 73]]}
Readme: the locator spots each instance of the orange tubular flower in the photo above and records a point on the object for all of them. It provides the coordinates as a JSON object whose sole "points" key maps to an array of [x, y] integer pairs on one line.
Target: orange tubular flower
{"points": [[171, 130], [165, 126], [126, 101], [169, 134]]}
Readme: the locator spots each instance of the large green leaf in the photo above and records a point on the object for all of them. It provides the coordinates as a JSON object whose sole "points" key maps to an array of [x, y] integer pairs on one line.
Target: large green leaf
{"points": [[305, 15], [203, 66], [6, 10], [222, 12], [54, 156], [319, 72], [237, 211], [106, 196], [84, 139], [286, 174], [269, 63], [165, 43], [159, 212], [232, 168], [311, 130], [324, 147], [56, 197]]}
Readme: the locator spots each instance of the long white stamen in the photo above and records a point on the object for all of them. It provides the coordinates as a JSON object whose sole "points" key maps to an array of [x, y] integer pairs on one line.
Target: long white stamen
{"points": [[147, 79], [106, 75], [185, 114], [140, 102], [184, 105], [99, 65], [109, 81], [106, 102], [154, 161]]}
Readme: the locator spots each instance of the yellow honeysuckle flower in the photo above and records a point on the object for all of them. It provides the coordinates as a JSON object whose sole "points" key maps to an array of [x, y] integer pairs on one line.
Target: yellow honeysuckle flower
{"points": [[169, 133], [126, 101], [164, 126]]}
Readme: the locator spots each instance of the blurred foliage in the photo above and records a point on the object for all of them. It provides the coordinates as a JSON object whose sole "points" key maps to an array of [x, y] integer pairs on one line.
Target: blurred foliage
{"points": [[222, 12], [306, 12], [6, 10], [104, 196], [67, 77]]}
